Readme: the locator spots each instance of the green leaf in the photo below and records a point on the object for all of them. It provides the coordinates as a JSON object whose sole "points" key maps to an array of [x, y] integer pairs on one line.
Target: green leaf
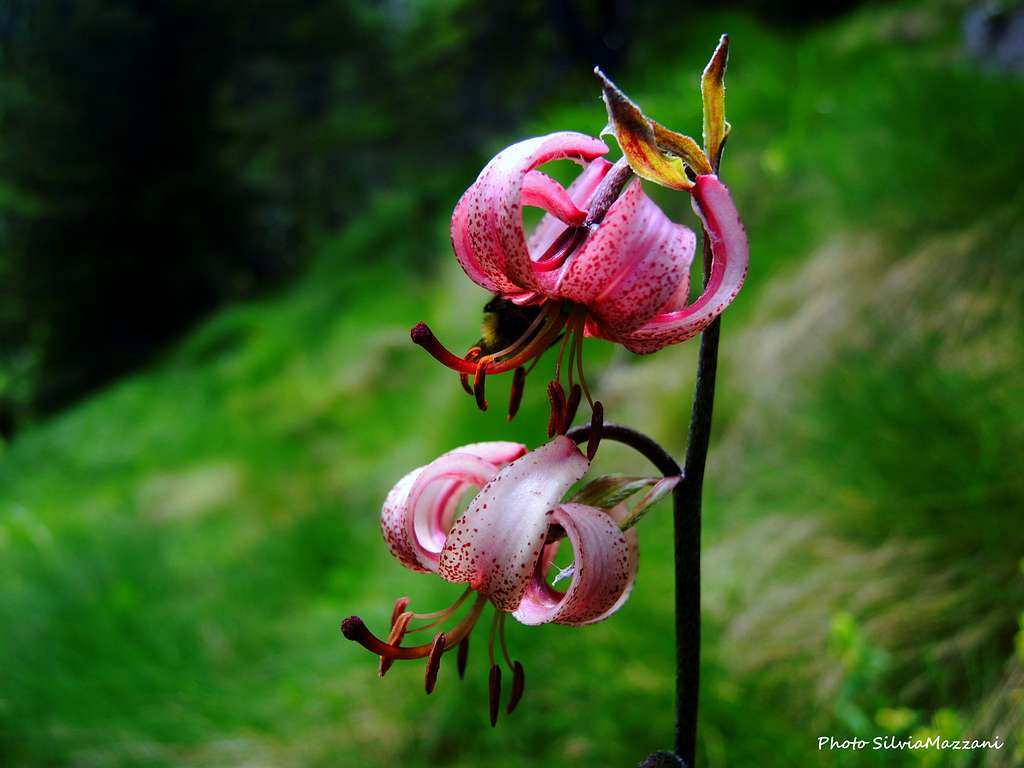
{"points": [[712, 89], [608, 490]]}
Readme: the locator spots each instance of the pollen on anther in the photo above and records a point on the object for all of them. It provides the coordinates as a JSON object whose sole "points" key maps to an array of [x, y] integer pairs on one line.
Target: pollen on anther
{"points": [[434, 662], [494, 689], [518, 683]]}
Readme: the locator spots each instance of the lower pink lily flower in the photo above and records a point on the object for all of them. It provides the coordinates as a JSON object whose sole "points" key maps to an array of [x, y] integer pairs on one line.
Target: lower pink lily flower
{"points": [[503, 547], [621, 275]]}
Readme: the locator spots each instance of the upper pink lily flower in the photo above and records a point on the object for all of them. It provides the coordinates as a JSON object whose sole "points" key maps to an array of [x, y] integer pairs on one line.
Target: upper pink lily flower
{"points": [[502, 547], [619, 272]]}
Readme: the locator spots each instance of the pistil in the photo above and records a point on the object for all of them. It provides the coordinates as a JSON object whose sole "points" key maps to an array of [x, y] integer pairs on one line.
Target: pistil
{"points": [[354, 629], [517, 354]]}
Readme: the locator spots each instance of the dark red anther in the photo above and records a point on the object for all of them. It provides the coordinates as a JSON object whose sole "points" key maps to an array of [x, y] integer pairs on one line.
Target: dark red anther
{"points": [[400, 605], [434, 662], [398, 626], [478, 386], [596, 425], [463, 656], [471, 356], [573, 403], [518, 681], [515, 396], [556, 400], [494, 686]]}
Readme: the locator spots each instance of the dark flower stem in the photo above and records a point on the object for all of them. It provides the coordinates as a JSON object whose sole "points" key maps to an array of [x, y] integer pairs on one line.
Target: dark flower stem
{"points": [[687, 519]]}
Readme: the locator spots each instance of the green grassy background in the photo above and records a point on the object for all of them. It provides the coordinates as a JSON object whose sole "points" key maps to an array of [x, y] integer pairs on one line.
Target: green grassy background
{"points": [[177, 551]]}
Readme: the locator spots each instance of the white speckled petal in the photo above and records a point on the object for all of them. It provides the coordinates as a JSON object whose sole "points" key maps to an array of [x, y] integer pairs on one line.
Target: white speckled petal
{"points": [[581, 191], [417, 513], [495, 544], [603, 572]]}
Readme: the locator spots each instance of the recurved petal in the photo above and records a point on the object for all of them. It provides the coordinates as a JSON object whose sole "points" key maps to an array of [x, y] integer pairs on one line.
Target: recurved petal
{"points": [[392, 522], [487, 225], [631, 266], [419, 509], [581, 190], [495, 544], [541, 191], [730, 258], [499, 452], [603, 571]]}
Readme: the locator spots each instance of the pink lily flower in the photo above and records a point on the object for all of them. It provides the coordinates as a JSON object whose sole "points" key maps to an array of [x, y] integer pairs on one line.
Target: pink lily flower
{"points": [[502, 547], [622, 277]]}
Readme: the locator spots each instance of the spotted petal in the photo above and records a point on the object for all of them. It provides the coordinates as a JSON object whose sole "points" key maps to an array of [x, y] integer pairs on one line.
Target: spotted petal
{"points": [[603, 571], [730, 258], [487, 225], [496, 543], [631, 266], [581, 191], [418, 512]]}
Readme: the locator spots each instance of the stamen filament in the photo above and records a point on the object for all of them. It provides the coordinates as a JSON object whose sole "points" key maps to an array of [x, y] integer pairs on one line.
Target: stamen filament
{"points": [[494, 631], [579, 364], [534, 349], [542, 318], [439, 616], [561, 355], [504, 645]]}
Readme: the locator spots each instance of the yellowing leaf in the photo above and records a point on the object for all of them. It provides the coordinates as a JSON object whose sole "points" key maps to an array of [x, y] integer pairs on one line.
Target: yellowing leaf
{"points": [[653, 151], [712, 89]]}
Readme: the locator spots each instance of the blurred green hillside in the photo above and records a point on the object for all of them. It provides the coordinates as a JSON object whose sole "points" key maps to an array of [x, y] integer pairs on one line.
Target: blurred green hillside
{"points": [[177, 550]]}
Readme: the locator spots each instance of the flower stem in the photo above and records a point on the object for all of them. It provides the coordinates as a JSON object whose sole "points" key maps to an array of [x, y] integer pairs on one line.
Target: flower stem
{"points": [[687, 518]]}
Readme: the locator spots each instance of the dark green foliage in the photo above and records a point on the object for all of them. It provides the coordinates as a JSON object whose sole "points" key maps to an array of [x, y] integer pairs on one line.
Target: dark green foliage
{"points": [[162, 158]]}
